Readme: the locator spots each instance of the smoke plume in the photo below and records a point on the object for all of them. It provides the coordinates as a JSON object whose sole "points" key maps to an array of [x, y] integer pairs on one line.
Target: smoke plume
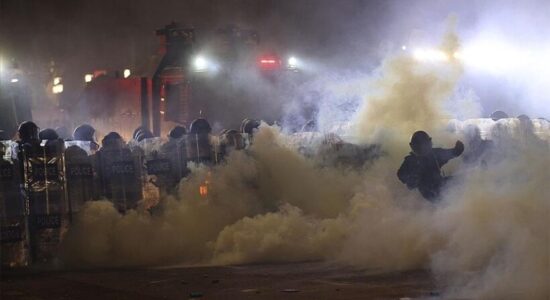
{"points": [[488, 237]]}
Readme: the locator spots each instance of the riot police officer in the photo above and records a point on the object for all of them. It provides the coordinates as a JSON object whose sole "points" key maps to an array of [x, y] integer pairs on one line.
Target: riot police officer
{"points": [[86, 133], [119, 172], [249, 126], [230, 140], [199, 148], [478, 150], [28, 132], [48, 134]]}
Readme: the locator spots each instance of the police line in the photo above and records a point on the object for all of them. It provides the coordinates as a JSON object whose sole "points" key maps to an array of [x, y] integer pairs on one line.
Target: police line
{"points": [[44, 183]]}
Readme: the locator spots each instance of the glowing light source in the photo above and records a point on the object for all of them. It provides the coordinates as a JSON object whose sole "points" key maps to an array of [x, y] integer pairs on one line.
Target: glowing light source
{"points": [[496, 56], [489, 55], [14, 80], [268, 61], [88, 77], [57, 89], [293, 62], [404, 48], [430, 55], [203, 189], [200, 64], [126, 73]]}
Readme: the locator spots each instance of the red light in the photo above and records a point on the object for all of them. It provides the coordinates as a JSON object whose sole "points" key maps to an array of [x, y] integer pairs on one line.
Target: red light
{"points": [[269, 62], [98, 73], [203, 190]]}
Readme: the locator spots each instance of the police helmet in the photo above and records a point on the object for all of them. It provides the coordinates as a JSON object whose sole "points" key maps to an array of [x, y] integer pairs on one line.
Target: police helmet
{"points": [[28, 131], [84, 132], [177, 132], [200, 126], [499, 114], [48, 134], [248, 126]]}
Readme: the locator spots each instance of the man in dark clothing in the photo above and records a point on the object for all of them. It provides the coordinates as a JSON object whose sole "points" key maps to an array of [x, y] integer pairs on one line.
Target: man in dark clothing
{"points": [[422, 167]]}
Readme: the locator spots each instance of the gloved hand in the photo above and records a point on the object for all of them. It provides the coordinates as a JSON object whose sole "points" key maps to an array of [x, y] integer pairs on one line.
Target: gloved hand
{"points": [[459, 148]]}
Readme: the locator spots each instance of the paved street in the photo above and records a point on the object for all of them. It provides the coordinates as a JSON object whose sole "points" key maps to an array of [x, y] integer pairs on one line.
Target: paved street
{"points": [[277, 281]]}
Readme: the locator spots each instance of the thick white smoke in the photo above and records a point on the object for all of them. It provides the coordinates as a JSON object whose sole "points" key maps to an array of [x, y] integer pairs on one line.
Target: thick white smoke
{"points": [[488, 238]]}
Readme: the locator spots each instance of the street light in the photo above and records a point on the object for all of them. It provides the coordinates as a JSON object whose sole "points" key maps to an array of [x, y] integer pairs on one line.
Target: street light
{"points": [[126, 73], [88, 78]]}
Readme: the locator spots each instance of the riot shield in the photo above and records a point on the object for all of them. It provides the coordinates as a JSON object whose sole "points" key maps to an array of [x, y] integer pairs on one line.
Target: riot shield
{"points": [[229, 141], [120, 176], [166, 165], [13, 229], [84, 145], [79, 173], [45, 195], [199, 148]]}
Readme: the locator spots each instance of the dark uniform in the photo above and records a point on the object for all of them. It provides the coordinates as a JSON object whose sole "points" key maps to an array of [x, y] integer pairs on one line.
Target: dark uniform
{"points": [[422, 168]]}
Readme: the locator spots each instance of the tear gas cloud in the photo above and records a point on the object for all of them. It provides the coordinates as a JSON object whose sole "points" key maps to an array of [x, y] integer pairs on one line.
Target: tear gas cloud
{"points": [[488, 238]]}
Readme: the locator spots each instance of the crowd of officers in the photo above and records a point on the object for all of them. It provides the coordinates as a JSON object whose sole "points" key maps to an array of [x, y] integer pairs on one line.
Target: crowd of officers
{"points": [[46, 179]]}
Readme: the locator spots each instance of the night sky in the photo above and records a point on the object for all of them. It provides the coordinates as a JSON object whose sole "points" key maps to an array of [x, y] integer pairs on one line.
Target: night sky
{"points": [[117, 33], [81, 36]]}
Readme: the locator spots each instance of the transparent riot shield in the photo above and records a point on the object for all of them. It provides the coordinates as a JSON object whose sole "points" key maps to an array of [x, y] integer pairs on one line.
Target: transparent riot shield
{"points": [[199, 148], [217, 148], [46, 199], [166, 164], [119, 171], [226, 143], [151, 145], [151, 192], [84, 145], [13, 225], [542, 128], [79, 174]]}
